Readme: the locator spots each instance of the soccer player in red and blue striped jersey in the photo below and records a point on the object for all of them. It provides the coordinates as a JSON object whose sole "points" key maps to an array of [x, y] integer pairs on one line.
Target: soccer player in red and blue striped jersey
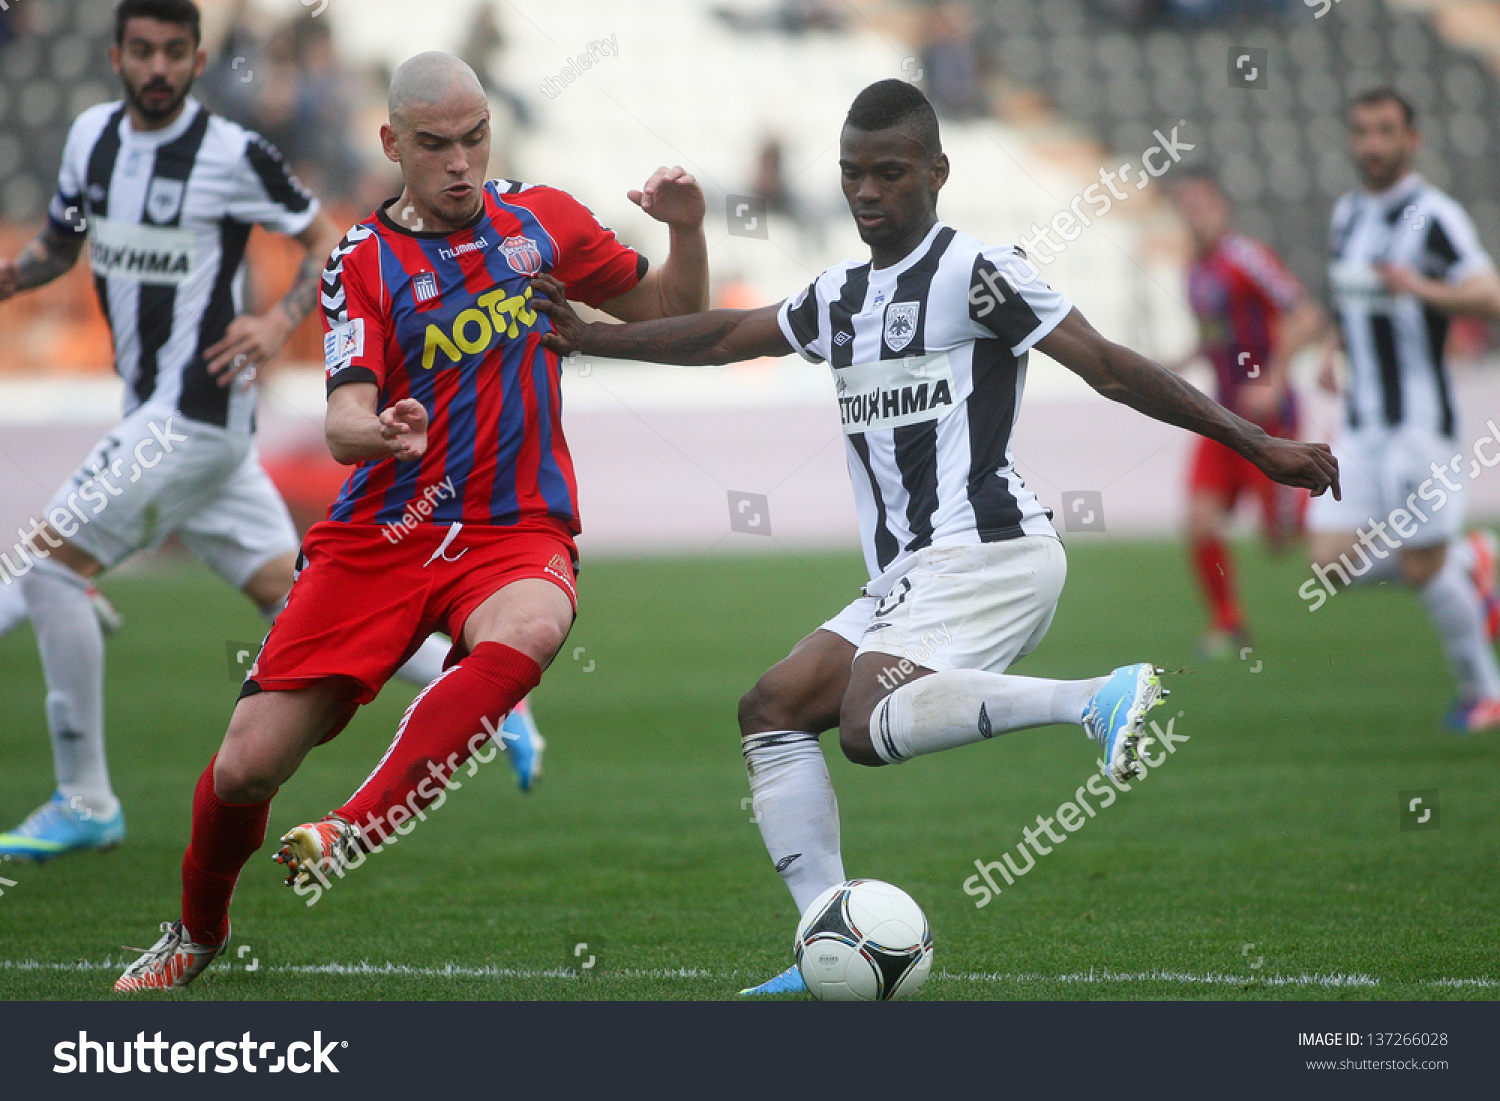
{"points": [[461, 510], [1253, 317]]}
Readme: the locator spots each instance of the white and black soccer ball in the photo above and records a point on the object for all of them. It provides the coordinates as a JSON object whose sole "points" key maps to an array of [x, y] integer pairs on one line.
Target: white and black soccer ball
{"points": [[863, 941]]}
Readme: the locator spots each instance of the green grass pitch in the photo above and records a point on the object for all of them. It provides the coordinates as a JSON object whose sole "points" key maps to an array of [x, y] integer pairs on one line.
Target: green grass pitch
{"points": [[1264, 860]]}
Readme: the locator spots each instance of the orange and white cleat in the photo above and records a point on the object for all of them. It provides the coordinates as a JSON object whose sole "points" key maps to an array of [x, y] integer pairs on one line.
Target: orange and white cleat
{"points": [[171, 963], [1486, 550], [315, 851], [1475, 716]]}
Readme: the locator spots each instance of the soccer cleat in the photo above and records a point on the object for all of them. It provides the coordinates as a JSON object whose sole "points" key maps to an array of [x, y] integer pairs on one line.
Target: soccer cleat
{"points": [[1475, 717], [171, 963], [788, 982], [315, 851], [110, 620], [523, 744], [59, 827], [1486, 550], [1116, 717]]}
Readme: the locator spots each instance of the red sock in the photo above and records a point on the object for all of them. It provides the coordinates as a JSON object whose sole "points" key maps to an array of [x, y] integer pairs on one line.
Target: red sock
{"points": [[1216, 575], [450, 718], [225, 836]]}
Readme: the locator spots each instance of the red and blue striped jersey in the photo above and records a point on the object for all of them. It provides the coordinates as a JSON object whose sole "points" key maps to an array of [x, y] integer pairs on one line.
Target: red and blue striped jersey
{"points": [[446, 319], [1238, 293]]}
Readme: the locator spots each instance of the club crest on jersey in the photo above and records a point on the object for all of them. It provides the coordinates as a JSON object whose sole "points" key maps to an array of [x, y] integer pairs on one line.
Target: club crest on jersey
{"points": [[901, 324], [164, 200], [522, 255], [425, 291]]}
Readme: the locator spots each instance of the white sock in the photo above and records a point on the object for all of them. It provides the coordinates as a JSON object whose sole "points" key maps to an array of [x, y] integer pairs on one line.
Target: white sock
{"points": [[961, 706], [796, 810], [12, 607], [426, 665], [1458, 614], [72, 649]]}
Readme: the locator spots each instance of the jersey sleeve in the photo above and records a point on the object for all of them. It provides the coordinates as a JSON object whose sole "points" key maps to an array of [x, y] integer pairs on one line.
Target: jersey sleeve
{"points": [[1453, 247], [1267, 276], [356, 314], [66, 213], [1009, 300], [799, 318], [265, 193], [591, 261]]}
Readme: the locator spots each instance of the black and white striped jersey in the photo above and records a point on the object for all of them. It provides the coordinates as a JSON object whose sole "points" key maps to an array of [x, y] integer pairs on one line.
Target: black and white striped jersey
{"points": [[929, 361], [168, 214], [1394, 342]]}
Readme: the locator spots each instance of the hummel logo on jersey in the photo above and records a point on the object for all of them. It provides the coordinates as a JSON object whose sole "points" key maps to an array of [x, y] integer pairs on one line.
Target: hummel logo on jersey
{"points": [[901, 324], [459, 250], [476, 330]]}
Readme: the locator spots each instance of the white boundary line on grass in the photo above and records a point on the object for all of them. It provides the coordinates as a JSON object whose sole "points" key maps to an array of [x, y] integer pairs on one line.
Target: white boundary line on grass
{"points": [[1092, 976]]}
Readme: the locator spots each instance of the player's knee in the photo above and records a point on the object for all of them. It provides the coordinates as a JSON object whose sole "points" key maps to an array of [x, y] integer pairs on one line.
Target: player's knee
{"points": [[238, 779], [1420, 566], [764, 708]]}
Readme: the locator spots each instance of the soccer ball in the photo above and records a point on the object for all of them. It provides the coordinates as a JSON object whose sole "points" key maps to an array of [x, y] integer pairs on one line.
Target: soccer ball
{"points": [[863, 941]]}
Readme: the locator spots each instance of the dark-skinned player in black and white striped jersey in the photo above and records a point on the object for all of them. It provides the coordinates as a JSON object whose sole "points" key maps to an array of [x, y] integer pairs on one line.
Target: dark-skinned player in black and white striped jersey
{"points": [[928, 343]]}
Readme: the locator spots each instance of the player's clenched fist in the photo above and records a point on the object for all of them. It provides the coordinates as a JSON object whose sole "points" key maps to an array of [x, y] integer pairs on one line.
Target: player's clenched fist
{"points": [[404, 428], [672, 196], [1308, 465]]}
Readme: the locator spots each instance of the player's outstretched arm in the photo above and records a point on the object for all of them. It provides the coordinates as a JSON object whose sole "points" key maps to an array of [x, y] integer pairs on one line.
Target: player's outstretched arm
{"points": [[696, 340], [357, 434], [1132, 379], [251, 341], [47, 257]]}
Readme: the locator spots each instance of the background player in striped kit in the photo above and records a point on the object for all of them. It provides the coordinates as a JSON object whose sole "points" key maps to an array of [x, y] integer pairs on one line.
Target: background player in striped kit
{"points": [[1253, 318], [928, 343], [1404, 258], [167, 193]]}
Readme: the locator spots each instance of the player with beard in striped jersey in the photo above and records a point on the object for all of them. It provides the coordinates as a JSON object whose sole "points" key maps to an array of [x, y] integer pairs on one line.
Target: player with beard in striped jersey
{"points": [[166, 193], [928, 342], [1404, 259]]}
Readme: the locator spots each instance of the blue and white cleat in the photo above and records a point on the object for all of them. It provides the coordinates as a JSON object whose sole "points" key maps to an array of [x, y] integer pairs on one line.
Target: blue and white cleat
{"points": [[1116, 716], [523, 744], [56, 828], [788, 982]]}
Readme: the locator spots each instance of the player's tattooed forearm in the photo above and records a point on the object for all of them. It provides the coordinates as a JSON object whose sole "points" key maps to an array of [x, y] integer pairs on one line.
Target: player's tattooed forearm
{"points": [[39, 264], [303, 296]]}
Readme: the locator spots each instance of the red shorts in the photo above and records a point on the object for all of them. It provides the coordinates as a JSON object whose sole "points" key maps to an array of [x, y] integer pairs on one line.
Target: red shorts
{"points": [[362, 604], [1226, 474]]}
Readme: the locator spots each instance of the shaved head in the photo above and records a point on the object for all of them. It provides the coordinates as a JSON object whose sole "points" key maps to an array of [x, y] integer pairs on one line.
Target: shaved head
{"points": [[433, 80]]}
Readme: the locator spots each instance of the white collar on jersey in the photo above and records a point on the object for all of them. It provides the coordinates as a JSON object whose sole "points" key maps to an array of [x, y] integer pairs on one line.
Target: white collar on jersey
{"points": [[154, 138]]}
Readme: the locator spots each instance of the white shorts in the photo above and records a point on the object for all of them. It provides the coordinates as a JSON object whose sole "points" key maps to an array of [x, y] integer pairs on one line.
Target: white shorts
{"points": [[1386, 476], [159, 474], [963, 607]]}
